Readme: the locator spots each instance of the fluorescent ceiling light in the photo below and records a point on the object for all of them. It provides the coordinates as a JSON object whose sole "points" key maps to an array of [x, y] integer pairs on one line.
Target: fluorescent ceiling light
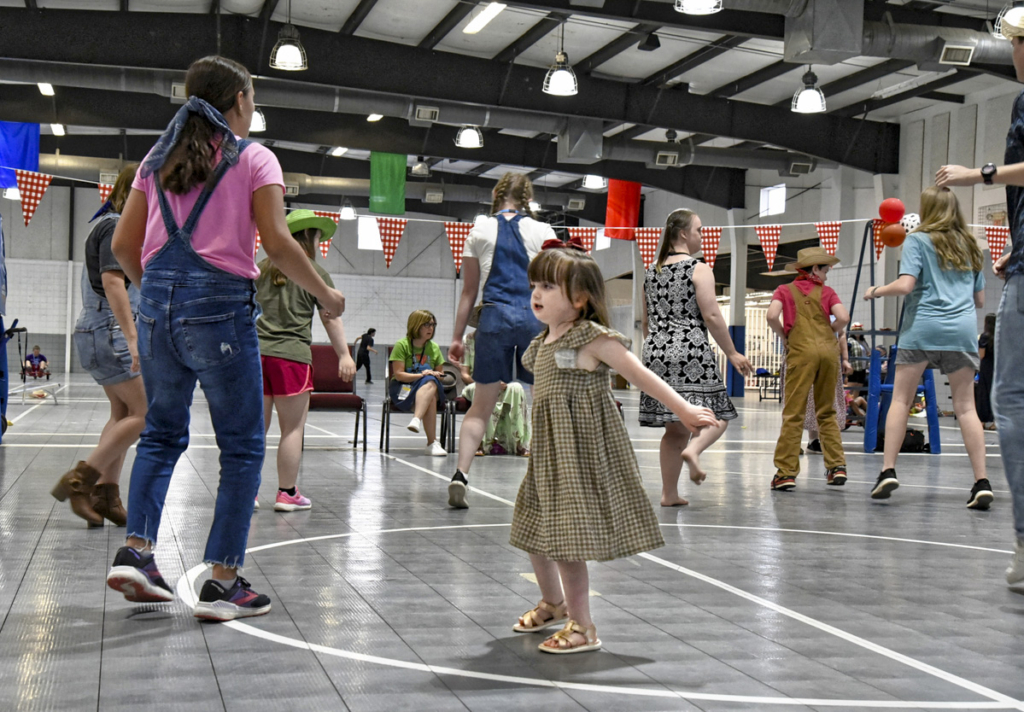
{"points": [[593, 182], [698, 7], [561, 79], [348, 212], [12, 194], [375, 117], [809, 99], [45, 89], [338, 151], [534, 205], [469, 137], [58, 129], [490, 11], [259, 122], [289, 54]]}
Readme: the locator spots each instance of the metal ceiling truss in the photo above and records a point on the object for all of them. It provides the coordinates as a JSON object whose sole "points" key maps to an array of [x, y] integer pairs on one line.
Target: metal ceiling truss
{"points": [[356, 18], [531, 37]]}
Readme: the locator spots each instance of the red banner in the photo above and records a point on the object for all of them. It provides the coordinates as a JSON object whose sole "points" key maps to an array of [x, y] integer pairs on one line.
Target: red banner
{"points": [[32, 187], [325, 247], [391, 230], [105, 190], [587, 236], [828, 235], [457, 233], [769, 236], [623, 208], [997, 237], [710, 238], [647, 239], [878, 224]]}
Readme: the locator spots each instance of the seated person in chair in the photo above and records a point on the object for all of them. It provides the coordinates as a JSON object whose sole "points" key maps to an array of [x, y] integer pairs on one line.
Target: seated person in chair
{"points": [[36, 364], [416, 378], [508, 430]]}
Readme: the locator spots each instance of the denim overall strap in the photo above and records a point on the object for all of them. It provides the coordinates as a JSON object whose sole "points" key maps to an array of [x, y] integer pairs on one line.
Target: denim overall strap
{"points": [[507, 282]]}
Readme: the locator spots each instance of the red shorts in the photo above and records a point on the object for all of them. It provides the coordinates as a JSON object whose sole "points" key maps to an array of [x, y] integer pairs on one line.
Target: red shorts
{"points": [[282, 377]]}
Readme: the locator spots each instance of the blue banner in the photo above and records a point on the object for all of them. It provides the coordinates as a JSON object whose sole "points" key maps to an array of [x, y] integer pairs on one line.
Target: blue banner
{"points": [[19, 148]]}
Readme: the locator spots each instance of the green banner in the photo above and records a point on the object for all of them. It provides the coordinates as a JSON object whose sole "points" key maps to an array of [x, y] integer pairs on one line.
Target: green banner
{"points": [[387, 183]]}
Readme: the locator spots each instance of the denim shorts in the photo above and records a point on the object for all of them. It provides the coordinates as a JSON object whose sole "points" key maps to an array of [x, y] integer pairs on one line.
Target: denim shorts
{"points": [[504, 334], [946, 361], [103, 351]]}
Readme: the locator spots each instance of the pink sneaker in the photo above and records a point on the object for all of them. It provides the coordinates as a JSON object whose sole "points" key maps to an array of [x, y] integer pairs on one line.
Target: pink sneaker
{"points": [[287, 503]]}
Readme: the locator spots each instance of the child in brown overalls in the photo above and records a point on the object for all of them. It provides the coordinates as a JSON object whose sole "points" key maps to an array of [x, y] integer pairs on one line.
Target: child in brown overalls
{"points": [[800, 314]]}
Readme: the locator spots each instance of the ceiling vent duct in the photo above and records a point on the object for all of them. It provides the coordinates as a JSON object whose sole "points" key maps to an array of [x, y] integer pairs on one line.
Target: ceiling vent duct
{"points": [[825, 32], [108, 178], [581, 141], [957, 54], [291, 190], [797, 168], [666, 159], [433, 196], [178, 95], [576, 204], [425, 115]]}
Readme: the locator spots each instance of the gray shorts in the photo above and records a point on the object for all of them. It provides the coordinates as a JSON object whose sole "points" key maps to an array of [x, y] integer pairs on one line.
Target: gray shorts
{"points": [[946, 361]]}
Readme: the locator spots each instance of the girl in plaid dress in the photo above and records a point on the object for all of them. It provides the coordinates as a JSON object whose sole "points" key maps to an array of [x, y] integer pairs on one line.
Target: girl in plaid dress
{"points": [[582, 497]]}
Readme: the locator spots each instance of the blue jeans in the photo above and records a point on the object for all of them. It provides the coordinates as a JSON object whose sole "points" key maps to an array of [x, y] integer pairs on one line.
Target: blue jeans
{"points": [[1008, 392], [199, 326]]}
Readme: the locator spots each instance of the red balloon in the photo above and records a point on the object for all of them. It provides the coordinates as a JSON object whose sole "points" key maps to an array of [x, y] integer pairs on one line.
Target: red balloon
{"points": [[893, 235], [891, 210]]}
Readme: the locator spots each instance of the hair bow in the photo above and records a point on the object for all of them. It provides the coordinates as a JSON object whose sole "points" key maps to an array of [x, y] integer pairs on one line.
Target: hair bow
{"points": [[573, 243]]}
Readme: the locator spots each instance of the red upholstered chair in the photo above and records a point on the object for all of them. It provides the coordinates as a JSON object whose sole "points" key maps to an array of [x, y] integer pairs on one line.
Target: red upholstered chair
{"points": [[330, 392]]}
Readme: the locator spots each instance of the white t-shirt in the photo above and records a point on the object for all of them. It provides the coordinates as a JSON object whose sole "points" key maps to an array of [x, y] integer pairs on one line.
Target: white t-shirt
{"points": [[484, 236]]}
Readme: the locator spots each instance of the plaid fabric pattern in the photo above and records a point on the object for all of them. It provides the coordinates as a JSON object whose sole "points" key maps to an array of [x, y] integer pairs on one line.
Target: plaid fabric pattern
{"points": [[997, 237], [876, 225], [828, 235], [457, 233], [105, 190], [32, 187], [582, 498], [587, 236], [647, 239], [391, 230], [710, 238], [769, 236]]}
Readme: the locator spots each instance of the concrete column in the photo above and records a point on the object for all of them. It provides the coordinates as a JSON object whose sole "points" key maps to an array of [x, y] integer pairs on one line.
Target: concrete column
{"points": [[734, 382]]}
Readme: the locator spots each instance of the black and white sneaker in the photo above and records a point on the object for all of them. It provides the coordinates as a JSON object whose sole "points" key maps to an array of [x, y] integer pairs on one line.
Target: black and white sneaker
{"points": [[219, 604], [981, 495], [136, 576], [457, 491], [885, 485]]}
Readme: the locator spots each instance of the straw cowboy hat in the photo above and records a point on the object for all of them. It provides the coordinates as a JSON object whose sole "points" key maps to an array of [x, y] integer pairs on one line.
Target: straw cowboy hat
{"points": [[299, 220], [810, 256]]}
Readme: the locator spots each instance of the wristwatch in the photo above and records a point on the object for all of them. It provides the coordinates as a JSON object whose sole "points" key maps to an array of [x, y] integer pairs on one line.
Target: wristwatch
{"points": [[987, 172]]}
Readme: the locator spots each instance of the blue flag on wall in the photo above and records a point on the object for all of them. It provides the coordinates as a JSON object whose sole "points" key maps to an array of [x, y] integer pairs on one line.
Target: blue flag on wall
{"points": [[19, 148]]}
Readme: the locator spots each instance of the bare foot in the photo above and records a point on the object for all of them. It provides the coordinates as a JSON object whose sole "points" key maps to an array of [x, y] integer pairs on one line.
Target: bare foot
{"points": [[673, 501], [693, 465]]}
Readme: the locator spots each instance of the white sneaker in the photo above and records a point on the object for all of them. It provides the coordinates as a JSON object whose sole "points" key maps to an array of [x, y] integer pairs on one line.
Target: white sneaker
{"points": [[256, 506], [415, 425], [1015, 571], [434, 449]]}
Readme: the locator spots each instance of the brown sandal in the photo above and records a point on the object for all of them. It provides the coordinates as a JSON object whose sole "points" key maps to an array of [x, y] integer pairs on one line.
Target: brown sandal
{"points": [[531, 621], [562, 640]]}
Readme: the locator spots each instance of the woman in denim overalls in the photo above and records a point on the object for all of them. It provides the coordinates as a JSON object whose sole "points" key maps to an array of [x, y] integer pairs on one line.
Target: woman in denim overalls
{"points": [[507, 324], [197, 322]]}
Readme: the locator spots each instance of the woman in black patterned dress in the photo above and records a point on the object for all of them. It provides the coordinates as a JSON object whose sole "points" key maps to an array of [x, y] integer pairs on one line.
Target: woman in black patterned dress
{"points": [[679, 309]]}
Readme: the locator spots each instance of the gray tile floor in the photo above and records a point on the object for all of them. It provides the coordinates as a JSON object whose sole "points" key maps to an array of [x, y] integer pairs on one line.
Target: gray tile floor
{"points": [[385, 599]]}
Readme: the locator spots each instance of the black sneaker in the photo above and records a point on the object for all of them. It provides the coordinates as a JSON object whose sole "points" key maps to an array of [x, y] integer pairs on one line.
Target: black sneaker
{"points": [[885, 485], [457, 491], [814, 446], [135, 575], [836, 476], [783, 483], [239, 601], [981, 495]]}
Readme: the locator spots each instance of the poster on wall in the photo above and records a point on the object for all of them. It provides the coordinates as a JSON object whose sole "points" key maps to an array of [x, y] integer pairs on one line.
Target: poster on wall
{"points": [[994, 214]]}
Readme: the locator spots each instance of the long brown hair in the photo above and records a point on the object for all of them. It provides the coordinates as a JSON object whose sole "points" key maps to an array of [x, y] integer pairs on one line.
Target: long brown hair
{"points": [[515, 187], [677, 221], [579, 277], [942, 220], [123, 186], [216, 80], [308, 239]]}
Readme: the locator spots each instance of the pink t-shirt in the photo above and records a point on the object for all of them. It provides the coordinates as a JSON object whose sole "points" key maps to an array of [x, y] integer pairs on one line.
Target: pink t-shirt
{"points": [[829, 299], [225, 235]]}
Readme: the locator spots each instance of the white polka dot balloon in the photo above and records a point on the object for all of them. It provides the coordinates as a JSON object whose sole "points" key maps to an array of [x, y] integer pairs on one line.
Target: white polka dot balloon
{"points": [[910, 222]]}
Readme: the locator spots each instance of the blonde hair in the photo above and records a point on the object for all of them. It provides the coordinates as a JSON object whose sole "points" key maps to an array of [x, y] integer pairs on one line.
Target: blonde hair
{"points": [[123, 186], [677, 221], [307, 239], [942, 220], [578, 276], [514, 187], [416, 321]]}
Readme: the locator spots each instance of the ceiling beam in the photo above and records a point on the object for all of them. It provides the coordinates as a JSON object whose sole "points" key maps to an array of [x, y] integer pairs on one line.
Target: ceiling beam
{"points": [[694, 60], [866, 107], [31, 5], [749, 81], [159, 40], [356, 18], [450, 21], [215, 7], [944, 96], [480, 170], [531, 37], [614, 48]]}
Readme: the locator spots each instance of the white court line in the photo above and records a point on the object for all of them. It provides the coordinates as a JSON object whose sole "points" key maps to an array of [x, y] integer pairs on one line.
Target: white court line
{"points": [[446, 478], [186, 592], [22, 415], [310, 425], [848, 453]]}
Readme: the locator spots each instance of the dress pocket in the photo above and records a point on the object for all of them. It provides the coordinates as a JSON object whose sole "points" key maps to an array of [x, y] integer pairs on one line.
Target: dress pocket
{"points": [[211, 340]]}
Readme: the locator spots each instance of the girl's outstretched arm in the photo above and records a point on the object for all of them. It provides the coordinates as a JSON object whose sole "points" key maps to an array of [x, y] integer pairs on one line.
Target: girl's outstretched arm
{"points": [[610, 351]]}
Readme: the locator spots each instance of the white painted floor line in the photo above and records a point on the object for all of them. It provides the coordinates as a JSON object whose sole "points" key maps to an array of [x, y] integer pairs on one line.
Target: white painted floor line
{"points": [[45, 402], [448, 478], [316, 427]]}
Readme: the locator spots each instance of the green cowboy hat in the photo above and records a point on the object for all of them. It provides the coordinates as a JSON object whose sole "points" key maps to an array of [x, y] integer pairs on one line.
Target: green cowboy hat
{"points": [[302, 219]]}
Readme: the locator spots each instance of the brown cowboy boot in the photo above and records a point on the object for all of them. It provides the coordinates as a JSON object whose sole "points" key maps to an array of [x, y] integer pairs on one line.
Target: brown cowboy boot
{"points": [[77, 483], [106, 501]]}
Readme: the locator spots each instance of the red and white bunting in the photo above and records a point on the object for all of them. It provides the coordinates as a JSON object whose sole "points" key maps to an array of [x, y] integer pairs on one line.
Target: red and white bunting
{"points": [[710, 238], [647, 240], [258, 241], [769, 236], [325, 247], [878, 224], [828, 235], [391, 230], [324, 214], [32, 187], [457, 233], [105, 190], [587, 236], [997, 237]]}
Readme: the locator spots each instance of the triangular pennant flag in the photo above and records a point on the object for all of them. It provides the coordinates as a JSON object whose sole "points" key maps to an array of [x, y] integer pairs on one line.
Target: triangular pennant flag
{"points": [[878, 224], [391, 230], [32, 187], [828, 235], [769, 236], [997, 237], [325, 214], [647, 240], [258, 241], [457, 233], [325, 247], [105, 190], [710, 238], [587, 235]]}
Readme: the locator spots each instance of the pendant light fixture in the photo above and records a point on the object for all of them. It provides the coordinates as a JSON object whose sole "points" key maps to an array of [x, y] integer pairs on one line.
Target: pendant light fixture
{"points": [[808, 98], [289, 54], [698, 7], [469, 137], [259, 122], [593, 182], [1013, 13], [57, 129], [561, 80], [347, 211], [45, 88]]}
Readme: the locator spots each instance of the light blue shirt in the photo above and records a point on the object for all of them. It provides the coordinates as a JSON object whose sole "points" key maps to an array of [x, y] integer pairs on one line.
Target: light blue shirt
{"points": [[940, 313]]}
